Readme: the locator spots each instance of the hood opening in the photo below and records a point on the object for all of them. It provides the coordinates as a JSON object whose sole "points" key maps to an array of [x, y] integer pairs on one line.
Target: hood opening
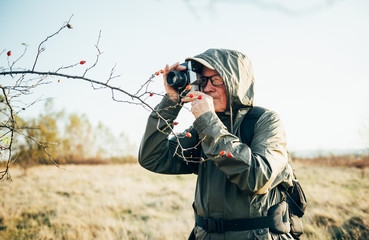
{"points": [[236, 70]]}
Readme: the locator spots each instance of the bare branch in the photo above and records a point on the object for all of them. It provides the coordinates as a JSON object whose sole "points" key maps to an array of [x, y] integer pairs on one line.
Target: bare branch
{"points": [[11, 128], [41, 47], [26, 83], [21, 56], [97, 56]]}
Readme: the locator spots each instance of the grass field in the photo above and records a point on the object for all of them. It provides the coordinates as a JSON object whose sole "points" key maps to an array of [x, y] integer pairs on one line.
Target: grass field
{"points": [[128, 202]]}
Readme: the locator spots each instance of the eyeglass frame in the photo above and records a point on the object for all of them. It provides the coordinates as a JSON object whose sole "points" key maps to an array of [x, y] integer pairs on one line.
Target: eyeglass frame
{"points": [[207, 81]]}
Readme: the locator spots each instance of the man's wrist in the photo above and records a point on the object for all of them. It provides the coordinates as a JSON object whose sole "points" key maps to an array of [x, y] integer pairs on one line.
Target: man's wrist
{"points": [[203, 121]]}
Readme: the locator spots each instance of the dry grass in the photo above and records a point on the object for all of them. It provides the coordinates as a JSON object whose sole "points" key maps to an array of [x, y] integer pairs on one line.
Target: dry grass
{"points": [[338, 201], [128, 202], [95, 202]]}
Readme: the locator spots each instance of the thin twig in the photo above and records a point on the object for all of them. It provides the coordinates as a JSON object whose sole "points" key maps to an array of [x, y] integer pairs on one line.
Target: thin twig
{"points": [[41, 48]]}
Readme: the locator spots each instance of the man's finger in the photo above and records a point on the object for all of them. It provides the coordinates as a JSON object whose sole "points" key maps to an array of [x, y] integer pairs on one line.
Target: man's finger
{"points": [[174, 66], [188, 99]]}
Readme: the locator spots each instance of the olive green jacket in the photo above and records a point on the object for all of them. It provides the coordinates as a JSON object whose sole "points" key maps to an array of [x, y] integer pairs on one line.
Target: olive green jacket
{"points": [[236, 187]]}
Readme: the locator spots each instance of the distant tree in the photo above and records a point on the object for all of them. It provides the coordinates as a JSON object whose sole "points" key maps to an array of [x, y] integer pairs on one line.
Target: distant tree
{"points": [[104, 141], [78, 138], [39, 139]]}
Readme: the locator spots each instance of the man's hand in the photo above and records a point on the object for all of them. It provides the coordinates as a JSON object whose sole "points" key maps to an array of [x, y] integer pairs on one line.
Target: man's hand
{"points": [[200, 103], [171, 92]]}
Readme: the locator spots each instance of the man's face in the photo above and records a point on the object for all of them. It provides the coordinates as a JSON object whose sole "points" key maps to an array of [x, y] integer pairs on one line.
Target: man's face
{"points": [[218, 93]]}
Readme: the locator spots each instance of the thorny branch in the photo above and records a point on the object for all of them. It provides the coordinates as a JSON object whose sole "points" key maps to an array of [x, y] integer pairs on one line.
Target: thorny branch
{"points": [[24, 52], [136, 98], [11, 126], [41, 47], [97, 56], [25, 83]]}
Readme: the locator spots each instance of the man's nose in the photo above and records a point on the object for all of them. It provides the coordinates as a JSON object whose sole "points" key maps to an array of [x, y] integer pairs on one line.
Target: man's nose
{"points": [[209, 87]]}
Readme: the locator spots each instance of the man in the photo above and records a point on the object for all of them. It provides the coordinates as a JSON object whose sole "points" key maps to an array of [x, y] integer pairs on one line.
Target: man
{"points": [[236, 184]]}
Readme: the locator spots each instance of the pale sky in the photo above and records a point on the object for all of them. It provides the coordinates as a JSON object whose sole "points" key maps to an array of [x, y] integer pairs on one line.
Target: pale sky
{"points": [[310, 58]]}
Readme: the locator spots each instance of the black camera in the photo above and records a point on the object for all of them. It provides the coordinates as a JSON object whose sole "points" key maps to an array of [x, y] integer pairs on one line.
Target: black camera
{"points": [[180, 79]]}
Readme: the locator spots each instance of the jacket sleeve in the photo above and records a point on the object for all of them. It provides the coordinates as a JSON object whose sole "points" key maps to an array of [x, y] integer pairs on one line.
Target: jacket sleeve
{"points": [[256, 168], [160, 154]]}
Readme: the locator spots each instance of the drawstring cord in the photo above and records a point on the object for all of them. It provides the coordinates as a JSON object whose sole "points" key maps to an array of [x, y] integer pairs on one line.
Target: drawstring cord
{"points": [[231, 111]]}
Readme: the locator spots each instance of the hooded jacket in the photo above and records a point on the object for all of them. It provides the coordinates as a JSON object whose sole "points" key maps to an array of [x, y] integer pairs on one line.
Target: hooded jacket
{"points": [[239, 187]]}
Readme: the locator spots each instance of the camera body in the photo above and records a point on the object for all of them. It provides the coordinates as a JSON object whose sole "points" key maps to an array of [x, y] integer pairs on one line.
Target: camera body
{"points": [[180, 79]]}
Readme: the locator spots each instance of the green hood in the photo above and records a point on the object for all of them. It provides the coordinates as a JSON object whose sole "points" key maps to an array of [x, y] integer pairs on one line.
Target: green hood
{"points": [[236, 70]]}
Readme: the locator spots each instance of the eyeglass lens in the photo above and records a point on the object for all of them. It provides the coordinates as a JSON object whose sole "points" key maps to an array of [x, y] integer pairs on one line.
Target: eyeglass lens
{"points": [[216, 80]]}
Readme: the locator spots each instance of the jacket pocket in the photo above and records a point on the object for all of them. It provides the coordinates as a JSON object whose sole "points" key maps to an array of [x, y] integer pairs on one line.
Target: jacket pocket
{"points": [[281, 223]]}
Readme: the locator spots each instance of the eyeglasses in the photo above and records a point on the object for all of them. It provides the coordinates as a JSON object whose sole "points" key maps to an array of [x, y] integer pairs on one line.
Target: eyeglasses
{"points": [[216, 80]]}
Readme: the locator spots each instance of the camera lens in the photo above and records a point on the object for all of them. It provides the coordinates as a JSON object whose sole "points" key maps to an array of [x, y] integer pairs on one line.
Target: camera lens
{"points": [[177, 80]]}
